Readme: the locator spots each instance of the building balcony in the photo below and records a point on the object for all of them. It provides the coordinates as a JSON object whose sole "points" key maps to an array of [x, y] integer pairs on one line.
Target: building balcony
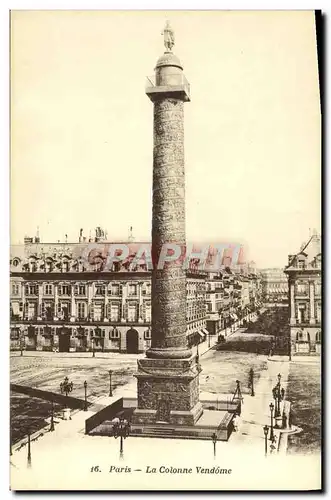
{"points": [[169, 85]]}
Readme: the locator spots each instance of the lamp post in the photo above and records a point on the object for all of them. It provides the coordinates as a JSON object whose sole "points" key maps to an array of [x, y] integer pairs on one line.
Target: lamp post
{"points": [[110, 388], [265, 430], [121, 429], [214, 438], [251, 381], [22, 343], [85, 395], [29, 450], [275, 396], [93, 349], [52, 417], [279, 378], [271, 406]]}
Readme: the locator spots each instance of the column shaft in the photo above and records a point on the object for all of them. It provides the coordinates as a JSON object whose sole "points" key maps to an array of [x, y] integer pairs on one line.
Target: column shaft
{"points": [[169, 283]]}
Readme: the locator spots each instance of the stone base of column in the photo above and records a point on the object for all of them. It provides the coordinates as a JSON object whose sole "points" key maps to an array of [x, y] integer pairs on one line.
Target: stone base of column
{"points": [[187, 418], [168, 391]]}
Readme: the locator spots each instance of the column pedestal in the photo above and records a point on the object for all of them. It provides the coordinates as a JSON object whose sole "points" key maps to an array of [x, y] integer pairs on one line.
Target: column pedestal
{"points": [[168, 391]]}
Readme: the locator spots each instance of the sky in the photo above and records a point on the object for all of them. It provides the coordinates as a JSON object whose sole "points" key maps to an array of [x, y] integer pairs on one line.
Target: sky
{"points": [[82, 125]]}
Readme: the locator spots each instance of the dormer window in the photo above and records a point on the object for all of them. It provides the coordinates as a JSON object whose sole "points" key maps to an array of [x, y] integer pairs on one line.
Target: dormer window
{"points": [[48, 266], [301, 263], [65, 266]]}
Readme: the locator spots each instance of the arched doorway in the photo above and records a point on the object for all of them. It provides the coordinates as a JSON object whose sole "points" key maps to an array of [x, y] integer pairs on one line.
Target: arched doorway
{"points": [[64, 340], [132, 341]]}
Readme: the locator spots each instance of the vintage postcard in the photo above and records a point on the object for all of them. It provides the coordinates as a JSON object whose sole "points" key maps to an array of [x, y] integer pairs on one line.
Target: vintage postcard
{"points": [[165, 259]]}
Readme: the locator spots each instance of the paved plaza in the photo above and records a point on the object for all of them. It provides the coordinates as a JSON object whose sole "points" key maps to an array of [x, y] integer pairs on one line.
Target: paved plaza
{"points": [[69, 453]]}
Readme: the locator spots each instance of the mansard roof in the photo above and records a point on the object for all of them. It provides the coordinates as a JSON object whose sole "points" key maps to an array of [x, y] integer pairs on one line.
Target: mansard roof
{"points": [[310, 251]]}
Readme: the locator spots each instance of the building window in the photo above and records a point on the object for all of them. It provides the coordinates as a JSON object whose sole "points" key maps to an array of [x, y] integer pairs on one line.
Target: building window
{"points": [[132, 289], [114, 312], [100, 290], [31, 289], [48, 311], [80, 290], [114, 289], [48, 289], [65, 266], [81, 310], [146, 289], [132, 312], [64, 289], [15, 289], [148, 313], [32, 266], [48, 266], [97, 312], [318, 288], [302, 288], [302, 313], [32, 310], [114, 334], [318, 312], [64, 310], [147, 334], [301, 264]]}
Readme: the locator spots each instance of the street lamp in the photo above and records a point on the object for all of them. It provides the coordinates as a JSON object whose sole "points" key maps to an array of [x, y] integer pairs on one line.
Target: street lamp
{"points": [[85, 389], [121, 429], [93, 349], [271, 406], [265, 430], [22, 344], [52, 417], [251, 381], [275, 396], [29, 450], [110, 388], [279, 378], [214, 438]]}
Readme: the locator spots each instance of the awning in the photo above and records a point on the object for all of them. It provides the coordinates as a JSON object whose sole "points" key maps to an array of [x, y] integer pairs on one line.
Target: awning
{"points": [[235, 317], [205, 331], [202, 335], [232, 316]]}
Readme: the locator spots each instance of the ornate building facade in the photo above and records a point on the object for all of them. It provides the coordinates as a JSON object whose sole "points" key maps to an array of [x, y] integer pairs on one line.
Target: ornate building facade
{"points": [[274, 286], [232, 295], [63, 299], [304, 272]]}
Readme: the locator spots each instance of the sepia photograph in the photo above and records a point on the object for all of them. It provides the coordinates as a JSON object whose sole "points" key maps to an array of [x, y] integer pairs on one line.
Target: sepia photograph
{"points": [[165, 250]]}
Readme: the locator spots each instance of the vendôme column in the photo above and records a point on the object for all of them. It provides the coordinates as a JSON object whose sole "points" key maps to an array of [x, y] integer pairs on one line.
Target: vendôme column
{"points": [[168, 378]]}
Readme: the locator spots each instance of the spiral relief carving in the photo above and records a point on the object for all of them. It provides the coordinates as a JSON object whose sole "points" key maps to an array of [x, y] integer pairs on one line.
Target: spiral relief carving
{"points": [[169, 284]]}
